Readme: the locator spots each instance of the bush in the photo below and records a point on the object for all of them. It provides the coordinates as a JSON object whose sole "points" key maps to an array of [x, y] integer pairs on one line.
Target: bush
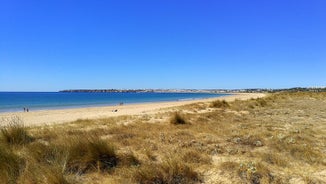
{"points": [[15, 133], [177, 119]]}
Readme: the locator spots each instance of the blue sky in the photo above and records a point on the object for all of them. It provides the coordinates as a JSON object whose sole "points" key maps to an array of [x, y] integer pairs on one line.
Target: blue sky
{"points": [[52, 45]]}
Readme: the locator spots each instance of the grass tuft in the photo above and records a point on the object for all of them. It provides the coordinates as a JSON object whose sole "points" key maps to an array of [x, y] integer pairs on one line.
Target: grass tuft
{"points": [[129, 159], [49, 174], [255, 173], [299, 151], [261, 102], [48, 154], [91, 153], [15, 133], [178, 119], [11, 166], [229, 166], [274, 158], [196, 157], [170, 171], [220, 104]]}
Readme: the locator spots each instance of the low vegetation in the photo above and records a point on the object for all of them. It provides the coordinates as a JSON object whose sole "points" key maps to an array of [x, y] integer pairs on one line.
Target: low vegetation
{"points": [[178, 119], [220, 104], [169, 171], [11, 166], [276, 139], [89, 153], [15, 133]]}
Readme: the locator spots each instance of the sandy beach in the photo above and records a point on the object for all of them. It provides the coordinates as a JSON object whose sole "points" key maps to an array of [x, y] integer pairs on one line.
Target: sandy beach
{"points": [[43, 117]]}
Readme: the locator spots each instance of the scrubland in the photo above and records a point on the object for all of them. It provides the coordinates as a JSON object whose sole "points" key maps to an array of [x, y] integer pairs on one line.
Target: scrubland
{"points": [[280, 138]]}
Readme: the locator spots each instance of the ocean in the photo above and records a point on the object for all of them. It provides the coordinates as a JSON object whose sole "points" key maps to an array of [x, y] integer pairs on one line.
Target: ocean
{"points": [[16, 101]]}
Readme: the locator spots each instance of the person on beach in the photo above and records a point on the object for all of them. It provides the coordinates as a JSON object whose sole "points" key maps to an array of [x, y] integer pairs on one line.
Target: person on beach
{"points": [[27, 110], [24, 109]]}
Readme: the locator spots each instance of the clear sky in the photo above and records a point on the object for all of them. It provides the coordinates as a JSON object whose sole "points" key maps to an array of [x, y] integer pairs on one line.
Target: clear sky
{"points": [[49, 45]]}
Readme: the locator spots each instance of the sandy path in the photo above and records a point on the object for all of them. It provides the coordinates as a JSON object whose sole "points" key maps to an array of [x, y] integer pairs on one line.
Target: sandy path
{"points": [[68, 115]]}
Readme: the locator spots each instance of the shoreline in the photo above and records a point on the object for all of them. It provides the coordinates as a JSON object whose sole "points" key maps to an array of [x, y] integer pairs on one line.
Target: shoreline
{"points": [[57, 116], [110, 99]]}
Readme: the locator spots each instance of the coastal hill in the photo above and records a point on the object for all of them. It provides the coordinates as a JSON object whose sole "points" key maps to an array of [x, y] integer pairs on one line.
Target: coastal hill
{"points": [[253, 90]]}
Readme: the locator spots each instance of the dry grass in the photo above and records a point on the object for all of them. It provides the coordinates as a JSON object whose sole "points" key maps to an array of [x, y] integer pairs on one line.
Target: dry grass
{"points": [[89, 153], [129, 160], [255, 173], [195, 157], [15, 133], [220, 104], [11, 166], [274, 159], [178, 119], [229, 166], [170, 171], [276, 139]]}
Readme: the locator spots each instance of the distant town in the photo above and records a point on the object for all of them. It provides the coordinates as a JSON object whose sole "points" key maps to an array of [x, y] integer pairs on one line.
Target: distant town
{"points": [[254, 90]]}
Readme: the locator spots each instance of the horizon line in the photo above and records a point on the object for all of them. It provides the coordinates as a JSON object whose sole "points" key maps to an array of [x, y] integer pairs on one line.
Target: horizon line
{"points": [[124, 89]]}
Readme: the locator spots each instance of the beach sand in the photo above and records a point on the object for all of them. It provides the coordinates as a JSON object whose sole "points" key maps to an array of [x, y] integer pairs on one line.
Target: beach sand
{"points": [[43, 117]]}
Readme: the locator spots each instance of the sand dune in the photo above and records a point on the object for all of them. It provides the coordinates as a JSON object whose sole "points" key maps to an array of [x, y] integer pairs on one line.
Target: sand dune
{"points": [[67, 115]]}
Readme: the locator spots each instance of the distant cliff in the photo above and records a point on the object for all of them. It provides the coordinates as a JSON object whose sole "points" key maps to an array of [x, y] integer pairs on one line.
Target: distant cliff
{"points": [[257, 90], [141, 91], [106, 91]]}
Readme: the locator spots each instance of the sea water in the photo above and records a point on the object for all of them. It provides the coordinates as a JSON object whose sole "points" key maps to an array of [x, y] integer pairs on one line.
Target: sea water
{"points": [[16, 101]]}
